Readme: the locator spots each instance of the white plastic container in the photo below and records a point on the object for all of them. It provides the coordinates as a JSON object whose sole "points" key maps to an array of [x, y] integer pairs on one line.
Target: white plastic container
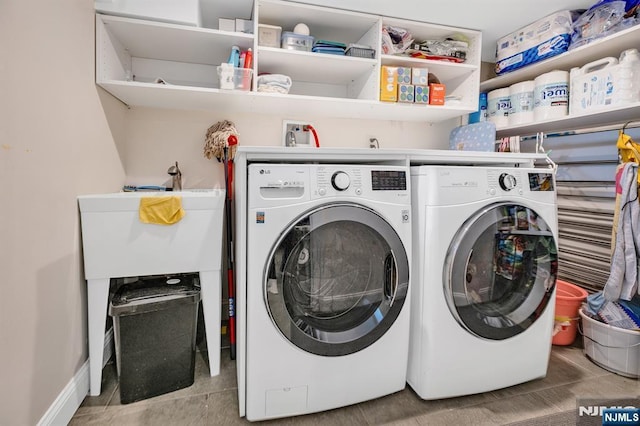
{"points": [[521, 102], [629, 76], [593, 86], [551, 95], [498, 105], [234, 78], [612, 348], [606, 82], [269, 35]]}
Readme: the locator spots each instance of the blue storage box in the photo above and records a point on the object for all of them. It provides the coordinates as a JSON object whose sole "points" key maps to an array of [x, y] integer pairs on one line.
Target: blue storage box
{"points": [[474, 137]]}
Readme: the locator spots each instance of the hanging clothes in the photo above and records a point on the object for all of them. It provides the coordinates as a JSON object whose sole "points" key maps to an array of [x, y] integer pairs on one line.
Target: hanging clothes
{"points": [[625, 238]]}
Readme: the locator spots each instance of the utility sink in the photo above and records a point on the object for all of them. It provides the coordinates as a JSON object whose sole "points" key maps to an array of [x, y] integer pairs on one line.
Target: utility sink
{"points": [[117, 244]]}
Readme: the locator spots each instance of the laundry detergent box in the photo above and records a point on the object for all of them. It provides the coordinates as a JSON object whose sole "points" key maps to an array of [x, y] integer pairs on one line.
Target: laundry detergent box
{"points": [[436, 94], [420, 76], [406, 93], [540, 40], [388, 83], [404, 75], [421, 94]]}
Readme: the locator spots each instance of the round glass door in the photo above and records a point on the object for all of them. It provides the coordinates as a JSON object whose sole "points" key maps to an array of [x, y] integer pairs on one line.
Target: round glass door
{"points": [[500, 271], [336, 280]]}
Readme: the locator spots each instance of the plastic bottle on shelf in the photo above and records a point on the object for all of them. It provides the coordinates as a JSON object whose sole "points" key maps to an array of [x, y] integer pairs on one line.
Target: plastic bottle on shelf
{"points": [[629, 77]]}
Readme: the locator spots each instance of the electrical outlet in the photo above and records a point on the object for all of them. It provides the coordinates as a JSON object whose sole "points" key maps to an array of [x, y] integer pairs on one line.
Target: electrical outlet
{"points": [[296, 133]]}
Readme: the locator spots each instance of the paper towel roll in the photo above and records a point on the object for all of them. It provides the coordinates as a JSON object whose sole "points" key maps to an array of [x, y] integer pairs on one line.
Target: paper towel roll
{"points": [[551, 95], [521, 100], [498, 105]]}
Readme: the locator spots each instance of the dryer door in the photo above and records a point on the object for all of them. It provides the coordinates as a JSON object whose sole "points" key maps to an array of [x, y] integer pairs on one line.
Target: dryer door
{"points": [[336, 280], [500, 271]]}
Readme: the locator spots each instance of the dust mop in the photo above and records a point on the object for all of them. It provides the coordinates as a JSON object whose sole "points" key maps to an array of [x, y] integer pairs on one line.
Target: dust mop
{"points": [[221, 142]]}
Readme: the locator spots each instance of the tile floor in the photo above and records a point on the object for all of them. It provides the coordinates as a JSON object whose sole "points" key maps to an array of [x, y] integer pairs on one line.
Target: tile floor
{"points": [[214, 400]]}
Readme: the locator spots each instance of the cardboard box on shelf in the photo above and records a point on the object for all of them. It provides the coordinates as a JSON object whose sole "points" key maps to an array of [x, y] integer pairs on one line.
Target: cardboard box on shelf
{"points": [[269, 35], [436, 94], [420, 76], [421, 94], [406, 93], [225, 24], [388, 83], [404, 75], [244, 25]]}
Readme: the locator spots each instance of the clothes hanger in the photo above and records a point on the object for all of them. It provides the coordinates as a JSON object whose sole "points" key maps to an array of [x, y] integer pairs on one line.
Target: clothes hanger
{"points": [[629, 150]]}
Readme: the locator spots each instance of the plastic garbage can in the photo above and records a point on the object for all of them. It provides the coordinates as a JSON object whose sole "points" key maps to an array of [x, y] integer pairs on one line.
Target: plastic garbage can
{"points": [[569, 298], [155, 321]]}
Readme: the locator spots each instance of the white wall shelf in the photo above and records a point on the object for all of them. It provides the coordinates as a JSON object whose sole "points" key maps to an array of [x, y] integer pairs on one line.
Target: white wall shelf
{"points": [[132, 53], [198, 98], [320, 68], [594, 119], [611, 45]]}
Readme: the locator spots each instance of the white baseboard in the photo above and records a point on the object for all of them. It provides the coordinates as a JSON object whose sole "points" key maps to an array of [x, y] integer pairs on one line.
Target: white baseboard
{"points": [[68, 401]]}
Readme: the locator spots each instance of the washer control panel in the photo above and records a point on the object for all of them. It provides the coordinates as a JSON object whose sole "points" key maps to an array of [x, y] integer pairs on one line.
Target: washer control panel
{"points": [[318, 181], [501, 182], [507, 181], [359, 180], [340, 181]]}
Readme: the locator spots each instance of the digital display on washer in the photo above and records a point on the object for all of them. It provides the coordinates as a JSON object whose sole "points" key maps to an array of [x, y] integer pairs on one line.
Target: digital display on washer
{"points": [[388, 180], [541, 182]]}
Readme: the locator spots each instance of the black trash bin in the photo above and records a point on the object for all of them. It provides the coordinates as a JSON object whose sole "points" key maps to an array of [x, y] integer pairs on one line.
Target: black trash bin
{"points": [[155, 321]]}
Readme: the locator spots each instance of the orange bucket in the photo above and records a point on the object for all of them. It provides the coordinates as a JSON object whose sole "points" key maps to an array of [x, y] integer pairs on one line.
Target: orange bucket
{"points": [[569, 298]]}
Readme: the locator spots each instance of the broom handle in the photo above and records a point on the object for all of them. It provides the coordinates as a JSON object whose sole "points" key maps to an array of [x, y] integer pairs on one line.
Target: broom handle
{"points": [[230, 277]]}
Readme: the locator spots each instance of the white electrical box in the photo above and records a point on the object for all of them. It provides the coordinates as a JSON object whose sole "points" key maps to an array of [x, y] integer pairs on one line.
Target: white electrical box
{"points": [[297, 133]]}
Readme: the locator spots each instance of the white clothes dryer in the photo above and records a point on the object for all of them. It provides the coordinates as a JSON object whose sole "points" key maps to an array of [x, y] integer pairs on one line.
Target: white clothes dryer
{"points": [[483, 278], [327, 309]]}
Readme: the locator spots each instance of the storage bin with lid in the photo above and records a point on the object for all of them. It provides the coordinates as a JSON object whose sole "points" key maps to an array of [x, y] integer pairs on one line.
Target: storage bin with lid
{"points": [[155, 322], [293, 41], [269, 35]]}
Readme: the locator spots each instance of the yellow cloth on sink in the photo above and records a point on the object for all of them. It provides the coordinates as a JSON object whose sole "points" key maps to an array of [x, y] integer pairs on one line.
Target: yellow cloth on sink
{"points": [[161, 210]]}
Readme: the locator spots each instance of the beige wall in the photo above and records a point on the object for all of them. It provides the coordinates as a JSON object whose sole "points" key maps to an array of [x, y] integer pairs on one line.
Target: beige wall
{"points": [[60, 137], [55, 143], [157, 138]]}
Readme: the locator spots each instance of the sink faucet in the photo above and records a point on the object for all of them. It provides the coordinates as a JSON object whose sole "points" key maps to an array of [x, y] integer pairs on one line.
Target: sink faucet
{"points": [[176, 176]]}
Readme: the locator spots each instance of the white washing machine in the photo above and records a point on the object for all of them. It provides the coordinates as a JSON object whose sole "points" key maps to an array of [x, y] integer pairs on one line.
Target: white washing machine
{"points": [[327, 312], [484, 268]]}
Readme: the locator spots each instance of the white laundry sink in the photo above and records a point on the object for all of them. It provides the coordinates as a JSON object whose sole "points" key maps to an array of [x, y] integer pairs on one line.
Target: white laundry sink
{"points": [[117, 244]]}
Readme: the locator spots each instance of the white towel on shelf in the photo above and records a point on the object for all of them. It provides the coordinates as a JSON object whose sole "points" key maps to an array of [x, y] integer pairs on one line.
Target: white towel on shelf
{"points": [[623, 278]]}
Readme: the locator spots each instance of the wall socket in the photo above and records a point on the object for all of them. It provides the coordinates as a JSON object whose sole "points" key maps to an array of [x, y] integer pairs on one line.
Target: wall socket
{"points": [[296, 133]]}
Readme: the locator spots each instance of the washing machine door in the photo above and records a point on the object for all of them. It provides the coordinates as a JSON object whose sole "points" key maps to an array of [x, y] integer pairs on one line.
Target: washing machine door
{"points": [[500, 271], [336, 280]]}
